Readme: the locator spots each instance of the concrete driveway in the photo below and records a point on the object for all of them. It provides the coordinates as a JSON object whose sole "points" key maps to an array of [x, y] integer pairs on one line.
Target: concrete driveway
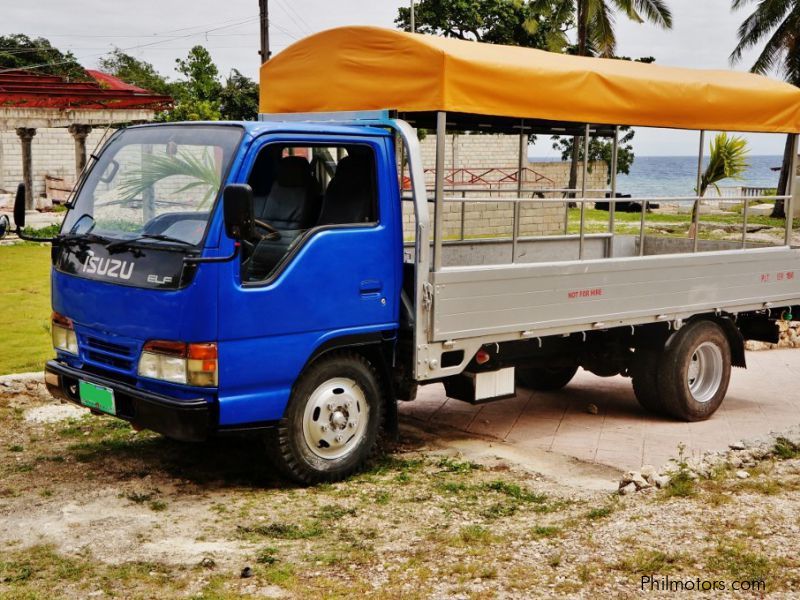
{"points": [[764, 398]]}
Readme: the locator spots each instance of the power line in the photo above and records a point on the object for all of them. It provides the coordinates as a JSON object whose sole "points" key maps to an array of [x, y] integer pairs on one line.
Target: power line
{"points": [[138, 46], [293, 16]]}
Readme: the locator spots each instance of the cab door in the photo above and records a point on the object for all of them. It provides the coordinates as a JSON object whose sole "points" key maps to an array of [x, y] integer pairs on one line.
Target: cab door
{"points": [[338, 277]]}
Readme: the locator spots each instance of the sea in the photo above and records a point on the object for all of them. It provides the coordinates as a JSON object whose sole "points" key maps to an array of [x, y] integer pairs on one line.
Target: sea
{"points": [[677, 175]]}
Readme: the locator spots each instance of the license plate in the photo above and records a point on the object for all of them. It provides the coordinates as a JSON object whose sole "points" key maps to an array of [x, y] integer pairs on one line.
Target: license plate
{"points": [[97, 397]]}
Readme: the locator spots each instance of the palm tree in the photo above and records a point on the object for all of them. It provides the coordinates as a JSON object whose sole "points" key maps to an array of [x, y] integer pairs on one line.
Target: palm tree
{"points": [[777, 22], [595, 21], [727, 159], [595, 36]]}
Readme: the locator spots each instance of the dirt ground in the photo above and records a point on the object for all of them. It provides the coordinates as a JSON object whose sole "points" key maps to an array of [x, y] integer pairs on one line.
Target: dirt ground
{"points": [[91, 509]]}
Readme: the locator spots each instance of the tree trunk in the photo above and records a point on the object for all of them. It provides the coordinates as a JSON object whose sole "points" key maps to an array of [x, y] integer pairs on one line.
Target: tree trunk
{"points": [[573, 166], [778, 212], [582, 31]]}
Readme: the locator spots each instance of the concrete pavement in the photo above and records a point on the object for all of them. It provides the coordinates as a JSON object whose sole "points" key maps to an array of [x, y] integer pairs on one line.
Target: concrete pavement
{"points": [[764, 398]]}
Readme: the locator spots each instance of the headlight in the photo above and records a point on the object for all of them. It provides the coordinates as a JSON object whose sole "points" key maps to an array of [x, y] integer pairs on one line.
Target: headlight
{"points": [[177, 362], [63, 333]]}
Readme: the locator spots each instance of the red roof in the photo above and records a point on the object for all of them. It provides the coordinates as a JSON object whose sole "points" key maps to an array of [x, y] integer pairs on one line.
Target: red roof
{"points": [[25, 89]]}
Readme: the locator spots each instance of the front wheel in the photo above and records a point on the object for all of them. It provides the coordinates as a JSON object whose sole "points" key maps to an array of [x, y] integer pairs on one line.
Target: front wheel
{"points": [[331, 423], [545, 379], [695, 372]]}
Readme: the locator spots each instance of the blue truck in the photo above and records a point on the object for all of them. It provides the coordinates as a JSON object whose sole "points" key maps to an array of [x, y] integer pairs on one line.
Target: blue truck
{"points": [[217, 277]]}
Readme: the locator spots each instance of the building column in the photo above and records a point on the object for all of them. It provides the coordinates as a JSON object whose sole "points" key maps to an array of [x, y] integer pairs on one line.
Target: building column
{"points": [[79, 133], [26, 137]]}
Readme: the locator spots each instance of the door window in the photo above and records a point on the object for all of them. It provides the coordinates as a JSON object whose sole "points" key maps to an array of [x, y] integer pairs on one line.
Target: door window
{"points": [[298, 190]]}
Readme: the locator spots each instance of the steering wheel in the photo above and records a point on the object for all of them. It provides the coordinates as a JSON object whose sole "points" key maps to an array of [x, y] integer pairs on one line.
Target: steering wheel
{"points": [[274, 234]]}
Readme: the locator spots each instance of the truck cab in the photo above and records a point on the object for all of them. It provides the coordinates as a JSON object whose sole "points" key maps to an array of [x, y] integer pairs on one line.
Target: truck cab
{"points": [[168, 317]]}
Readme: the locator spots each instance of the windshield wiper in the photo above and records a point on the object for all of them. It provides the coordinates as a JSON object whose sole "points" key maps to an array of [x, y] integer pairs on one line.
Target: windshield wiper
{"points": [[147, 236], [83, 237]]}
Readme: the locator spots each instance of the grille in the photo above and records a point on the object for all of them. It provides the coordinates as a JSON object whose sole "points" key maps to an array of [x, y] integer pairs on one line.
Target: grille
{"points": [[114, 355]]}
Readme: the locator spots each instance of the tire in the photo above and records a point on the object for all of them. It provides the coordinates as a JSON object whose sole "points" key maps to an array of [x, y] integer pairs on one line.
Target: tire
{"points": [[331, 424], [644, 375], [695, 371], [545, 379]]}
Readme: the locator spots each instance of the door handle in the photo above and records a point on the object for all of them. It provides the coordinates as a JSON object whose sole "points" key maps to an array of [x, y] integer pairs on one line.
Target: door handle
{"points": [[371, 287]]}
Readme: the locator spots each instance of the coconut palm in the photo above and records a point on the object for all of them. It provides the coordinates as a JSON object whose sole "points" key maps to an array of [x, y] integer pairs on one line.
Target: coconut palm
{"points": [[199, 173], [595, 21], [727, 159], [595, 36], [776, 22]]}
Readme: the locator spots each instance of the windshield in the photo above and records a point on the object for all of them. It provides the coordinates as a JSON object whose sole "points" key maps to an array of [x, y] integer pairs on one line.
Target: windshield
{"points": [[155, 184]]}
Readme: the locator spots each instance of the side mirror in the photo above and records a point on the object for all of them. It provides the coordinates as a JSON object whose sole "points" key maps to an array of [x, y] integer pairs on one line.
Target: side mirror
{"points": [[237, 204], [19, 207]]}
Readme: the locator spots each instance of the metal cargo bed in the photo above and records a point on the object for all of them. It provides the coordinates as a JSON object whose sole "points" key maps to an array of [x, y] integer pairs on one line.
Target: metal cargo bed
{"points": [[562, 297]]}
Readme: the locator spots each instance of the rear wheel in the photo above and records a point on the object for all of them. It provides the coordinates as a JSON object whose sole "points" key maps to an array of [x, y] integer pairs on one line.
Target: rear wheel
{"points": [[545, 379], [644, 375], [696, 371], [331, 423]]}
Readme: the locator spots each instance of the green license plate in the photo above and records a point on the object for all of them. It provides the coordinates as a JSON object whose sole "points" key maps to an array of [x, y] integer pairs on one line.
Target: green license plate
{"points": [[97, 397]]}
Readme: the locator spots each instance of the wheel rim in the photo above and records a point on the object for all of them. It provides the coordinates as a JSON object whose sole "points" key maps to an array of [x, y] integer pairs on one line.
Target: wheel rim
{"points": [[335, 418], [705, 372]]}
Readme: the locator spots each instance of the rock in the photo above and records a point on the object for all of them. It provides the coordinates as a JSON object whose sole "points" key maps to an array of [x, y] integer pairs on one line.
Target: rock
{"points": [[736, 462], [247, 572], [742, 474], [640, 482], [760, 210], [662, 481], [649, 472], [737, 445], [592, 409], [208, 563], [627, 489]]}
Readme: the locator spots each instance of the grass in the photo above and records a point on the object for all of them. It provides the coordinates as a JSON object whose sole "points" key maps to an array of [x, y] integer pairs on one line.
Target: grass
{"points": [[736, 558], [648, 562], [281, 531], [25, 306]]}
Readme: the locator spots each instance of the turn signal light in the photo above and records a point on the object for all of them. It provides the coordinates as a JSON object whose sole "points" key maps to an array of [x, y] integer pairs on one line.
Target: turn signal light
{"points": [[63, 332], [179, 362]]}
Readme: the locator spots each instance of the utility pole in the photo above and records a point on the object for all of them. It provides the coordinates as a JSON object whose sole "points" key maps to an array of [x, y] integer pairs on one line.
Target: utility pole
{"points": [[263, 8], [413, 20]]}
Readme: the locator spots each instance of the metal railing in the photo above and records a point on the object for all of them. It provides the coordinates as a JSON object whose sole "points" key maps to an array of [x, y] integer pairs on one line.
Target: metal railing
{"points": [[583, 202]]}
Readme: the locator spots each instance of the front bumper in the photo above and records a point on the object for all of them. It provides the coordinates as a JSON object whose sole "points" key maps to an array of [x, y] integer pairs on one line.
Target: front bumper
{"points": [[185, 420]]}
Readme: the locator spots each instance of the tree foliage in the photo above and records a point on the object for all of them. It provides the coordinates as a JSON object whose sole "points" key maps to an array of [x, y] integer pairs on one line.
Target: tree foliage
{"points": [[727, 159], [777, 23], [239, 98], [532, 24], [596, 18], [601, 150], [18, 51], [135, 72]]}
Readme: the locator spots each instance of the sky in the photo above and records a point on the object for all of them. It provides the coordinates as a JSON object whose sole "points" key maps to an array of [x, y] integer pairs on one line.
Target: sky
{"points": [[159, 31]]}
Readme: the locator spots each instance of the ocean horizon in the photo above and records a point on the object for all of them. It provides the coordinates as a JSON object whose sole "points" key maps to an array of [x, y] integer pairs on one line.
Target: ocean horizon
{"points": [[677, 175]]}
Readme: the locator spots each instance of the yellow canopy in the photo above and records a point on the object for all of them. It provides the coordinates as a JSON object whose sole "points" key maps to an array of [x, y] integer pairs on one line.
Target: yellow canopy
{"points": [[369, 68]]}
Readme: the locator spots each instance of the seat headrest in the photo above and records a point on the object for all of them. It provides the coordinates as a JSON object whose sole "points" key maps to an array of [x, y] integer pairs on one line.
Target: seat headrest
{"points": [[293, 171], [353, 166]]}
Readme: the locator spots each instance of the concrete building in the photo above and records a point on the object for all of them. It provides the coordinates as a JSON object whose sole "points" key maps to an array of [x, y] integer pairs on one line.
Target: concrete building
{"points": [[47, 123]]}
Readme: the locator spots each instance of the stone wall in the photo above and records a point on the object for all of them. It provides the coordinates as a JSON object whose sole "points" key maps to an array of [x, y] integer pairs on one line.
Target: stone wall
{"points": [[53, 151]]}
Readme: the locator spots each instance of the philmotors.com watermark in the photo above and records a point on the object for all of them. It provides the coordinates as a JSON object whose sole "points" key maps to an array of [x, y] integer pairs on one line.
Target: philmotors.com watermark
{"points": [[653, 583]]}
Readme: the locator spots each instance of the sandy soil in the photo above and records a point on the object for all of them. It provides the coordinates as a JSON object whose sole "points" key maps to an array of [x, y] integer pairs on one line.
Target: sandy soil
{"points": [[91, 509]]}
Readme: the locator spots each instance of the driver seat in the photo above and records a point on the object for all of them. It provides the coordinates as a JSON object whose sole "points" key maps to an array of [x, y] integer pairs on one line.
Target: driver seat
{"points": [[292, 206]]}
